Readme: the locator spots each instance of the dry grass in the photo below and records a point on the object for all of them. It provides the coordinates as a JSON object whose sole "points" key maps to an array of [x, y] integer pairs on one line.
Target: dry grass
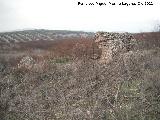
{"points": [[64, 83], [148, 40]]}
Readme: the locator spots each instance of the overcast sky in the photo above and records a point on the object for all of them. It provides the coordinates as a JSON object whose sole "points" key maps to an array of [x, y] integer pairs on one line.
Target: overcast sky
{"points": [[67, 15]]}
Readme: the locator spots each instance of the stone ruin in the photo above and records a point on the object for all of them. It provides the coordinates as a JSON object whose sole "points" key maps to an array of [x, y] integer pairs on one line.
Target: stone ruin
{"points": [[113, 44], [26, 62]]}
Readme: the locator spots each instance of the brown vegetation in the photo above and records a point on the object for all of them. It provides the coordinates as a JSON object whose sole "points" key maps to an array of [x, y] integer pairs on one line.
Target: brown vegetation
{"points": [[148, 40], [64, 82]]}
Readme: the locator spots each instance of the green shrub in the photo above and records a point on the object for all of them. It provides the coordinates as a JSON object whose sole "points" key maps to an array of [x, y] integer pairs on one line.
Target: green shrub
{"points": [[61, 60]]}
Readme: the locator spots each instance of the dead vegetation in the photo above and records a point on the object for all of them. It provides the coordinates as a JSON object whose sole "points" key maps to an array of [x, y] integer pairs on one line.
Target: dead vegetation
{"points": [[64, 82]]}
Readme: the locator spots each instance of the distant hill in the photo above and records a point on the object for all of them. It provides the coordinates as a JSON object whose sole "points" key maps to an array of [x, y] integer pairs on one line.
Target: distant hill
{"points": [[35, 35]]}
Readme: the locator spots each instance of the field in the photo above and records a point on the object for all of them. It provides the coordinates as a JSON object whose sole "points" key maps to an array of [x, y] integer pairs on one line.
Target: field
{"points": [[56, 75]]}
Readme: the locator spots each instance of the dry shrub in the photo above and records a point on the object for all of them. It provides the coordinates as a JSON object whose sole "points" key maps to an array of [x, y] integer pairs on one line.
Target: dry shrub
{"points": [[148, 40], [127, 88], [81, 88], [75, 48]]}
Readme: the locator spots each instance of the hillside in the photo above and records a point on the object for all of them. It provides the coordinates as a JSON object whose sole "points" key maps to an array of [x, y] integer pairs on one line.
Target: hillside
{"points": [[148, 40], [36, 35], [108, 76]]}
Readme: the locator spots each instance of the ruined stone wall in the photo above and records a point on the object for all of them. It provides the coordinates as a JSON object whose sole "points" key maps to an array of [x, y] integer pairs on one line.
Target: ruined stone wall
{"points": [[113, 44]]}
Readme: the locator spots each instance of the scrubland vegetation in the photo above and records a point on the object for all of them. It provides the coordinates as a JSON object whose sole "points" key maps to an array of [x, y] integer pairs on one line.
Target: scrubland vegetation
{"points": [[63, 80]]}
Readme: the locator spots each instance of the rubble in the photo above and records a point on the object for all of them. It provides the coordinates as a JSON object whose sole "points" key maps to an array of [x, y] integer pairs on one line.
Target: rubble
{"points": [[113, 44], [26, 62]]}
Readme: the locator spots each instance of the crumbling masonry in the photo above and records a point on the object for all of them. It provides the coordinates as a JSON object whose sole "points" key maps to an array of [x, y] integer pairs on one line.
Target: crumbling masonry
{"points": [[112, 44]]}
